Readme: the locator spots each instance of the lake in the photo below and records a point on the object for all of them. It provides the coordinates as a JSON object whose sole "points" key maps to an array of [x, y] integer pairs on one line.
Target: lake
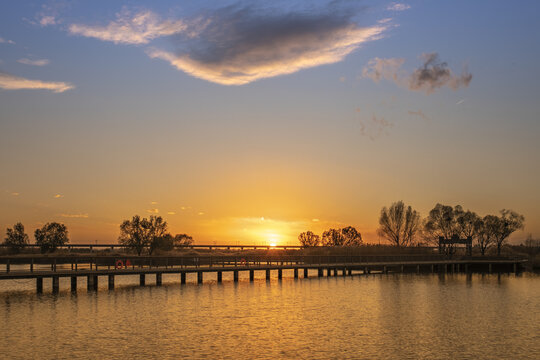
{"points": [[395, 316]]}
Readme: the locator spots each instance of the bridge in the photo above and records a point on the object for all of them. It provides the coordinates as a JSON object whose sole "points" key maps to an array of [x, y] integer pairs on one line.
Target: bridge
{"points": [[93, 267]]}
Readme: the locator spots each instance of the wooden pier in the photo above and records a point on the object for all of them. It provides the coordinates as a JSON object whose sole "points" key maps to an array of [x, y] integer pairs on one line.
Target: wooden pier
{"points": [[94, 268]]}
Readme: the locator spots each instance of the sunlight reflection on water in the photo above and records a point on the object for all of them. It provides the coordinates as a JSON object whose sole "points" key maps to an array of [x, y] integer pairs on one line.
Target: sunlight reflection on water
{"points": [[360, 317]]}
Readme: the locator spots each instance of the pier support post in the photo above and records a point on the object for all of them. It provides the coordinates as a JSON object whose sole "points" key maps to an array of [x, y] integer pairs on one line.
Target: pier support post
{"points": [[235, 275], [320, 272], [111, 282], [490, 268], [343, 271], [365, 270], [296, 273], [458, 268], [306, 272], [402, 268], [159, 279], [418, 269], [219, 276], [432, 268], [280, 274], [328, 272], [142, 279], [515, 268], [39, 285], [55, 284], [385, 269], [73, 284], [350, 271], [267, 274], [466, 268], [182, 278], [445, 268], [335, 272], [199, 277], [91, 282], [251, 275]]}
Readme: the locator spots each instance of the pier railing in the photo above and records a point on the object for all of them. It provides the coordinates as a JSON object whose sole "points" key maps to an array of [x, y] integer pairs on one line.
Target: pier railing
{"points": [[121, 262]]}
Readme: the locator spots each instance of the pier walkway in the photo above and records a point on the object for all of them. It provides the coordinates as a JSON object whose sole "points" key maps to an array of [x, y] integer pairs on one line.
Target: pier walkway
{"points": [[93, 267]]}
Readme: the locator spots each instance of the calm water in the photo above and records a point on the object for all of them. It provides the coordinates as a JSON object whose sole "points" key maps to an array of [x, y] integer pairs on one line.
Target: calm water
{"points": [[358, 317]]}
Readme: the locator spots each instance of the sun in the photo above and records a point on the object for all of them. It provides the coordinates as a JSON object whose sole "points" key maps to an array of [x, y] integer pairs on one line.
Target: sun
{"points": [[272, 244]]}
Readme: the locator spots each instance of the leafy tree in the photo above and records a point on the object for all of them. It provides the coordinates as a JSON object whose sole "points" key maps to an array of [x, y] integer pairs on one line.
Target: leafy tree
{"points": [[308, 239], [347, 236], [165, 243], [51, 236], [155, 230], [441, 221], [351, 236], [16, 239], [332, 237], [183, 239], [133, 234], [399, 224], [507, 223]]}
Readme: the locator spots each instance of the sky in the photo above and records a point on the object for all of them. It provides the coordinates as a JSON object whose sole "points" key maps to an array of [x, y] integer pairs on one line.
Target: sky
{"points": [[250, 122]]}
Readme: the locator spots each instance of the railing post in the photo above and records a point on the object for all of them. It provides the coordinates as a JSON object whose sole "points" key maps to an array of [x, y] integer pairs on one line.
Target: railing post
{"points": [[7, 266]]}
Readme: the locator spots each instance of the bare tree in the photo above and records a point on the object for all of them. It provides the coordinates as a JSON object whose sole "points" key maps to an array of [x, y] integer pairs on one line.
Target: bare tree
{"points": [[441, 221], [399, 224], [351, 236], [507, 223], [308, 239], [16, 238], [50, 236], [484, 233]]}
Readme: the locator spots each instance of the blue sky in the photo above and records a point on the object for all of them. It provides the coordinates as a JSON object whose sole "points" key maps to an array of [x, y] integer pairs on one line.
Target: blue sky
{"points": [[218, 116]]}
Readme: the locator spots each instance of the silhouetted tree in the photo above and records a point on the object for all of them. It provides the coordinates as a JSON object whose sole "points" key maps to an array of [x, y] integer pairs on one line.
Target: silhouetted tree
{"points": [[308, 239], [466, 222], [16, 239], [51, 236], [399, 224], [347, 236], [332, 237], [484, 232], [441, 221], [165, 243], [507, 223], [183, 239], [133, 234], [155, 230], [351, 236]]}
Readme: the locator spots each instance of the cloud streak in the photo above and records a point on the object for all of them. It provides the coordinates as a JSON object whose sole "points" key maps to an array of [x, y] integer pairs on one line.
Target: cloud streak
{"points": [[38, 62], [128, 28], [12, 82], [4, 41], [432, 75], [239, 45], [398, 7]]}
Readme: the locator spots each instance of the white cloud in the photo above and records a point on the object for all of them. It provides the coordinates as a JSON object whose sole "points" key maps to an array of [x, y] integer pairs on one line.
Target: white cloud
{"points": [[136, 29], [11, 82], [4, 41], [398, 7], [38, 62], [46, 20]]}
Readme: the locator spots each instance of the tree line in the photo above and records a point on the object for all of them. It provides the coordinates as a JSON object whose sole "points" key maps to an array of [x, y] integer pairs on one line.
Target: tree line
{"points": [[136, 234], [401, 225]]}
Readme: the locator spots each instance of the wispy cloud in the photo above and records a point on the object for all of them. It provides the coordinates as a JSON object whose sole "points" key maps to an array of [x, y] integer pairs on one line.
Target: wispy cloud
{"points": [[432, 75], [4, 41], [128, 28], [419, 113], [395, 6], [15, 194], [239, 45], [460, 102], [171, 213], [75, 216], [37, 62], [374, 127], [12, 82], [153, 211], [58, 196]]}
